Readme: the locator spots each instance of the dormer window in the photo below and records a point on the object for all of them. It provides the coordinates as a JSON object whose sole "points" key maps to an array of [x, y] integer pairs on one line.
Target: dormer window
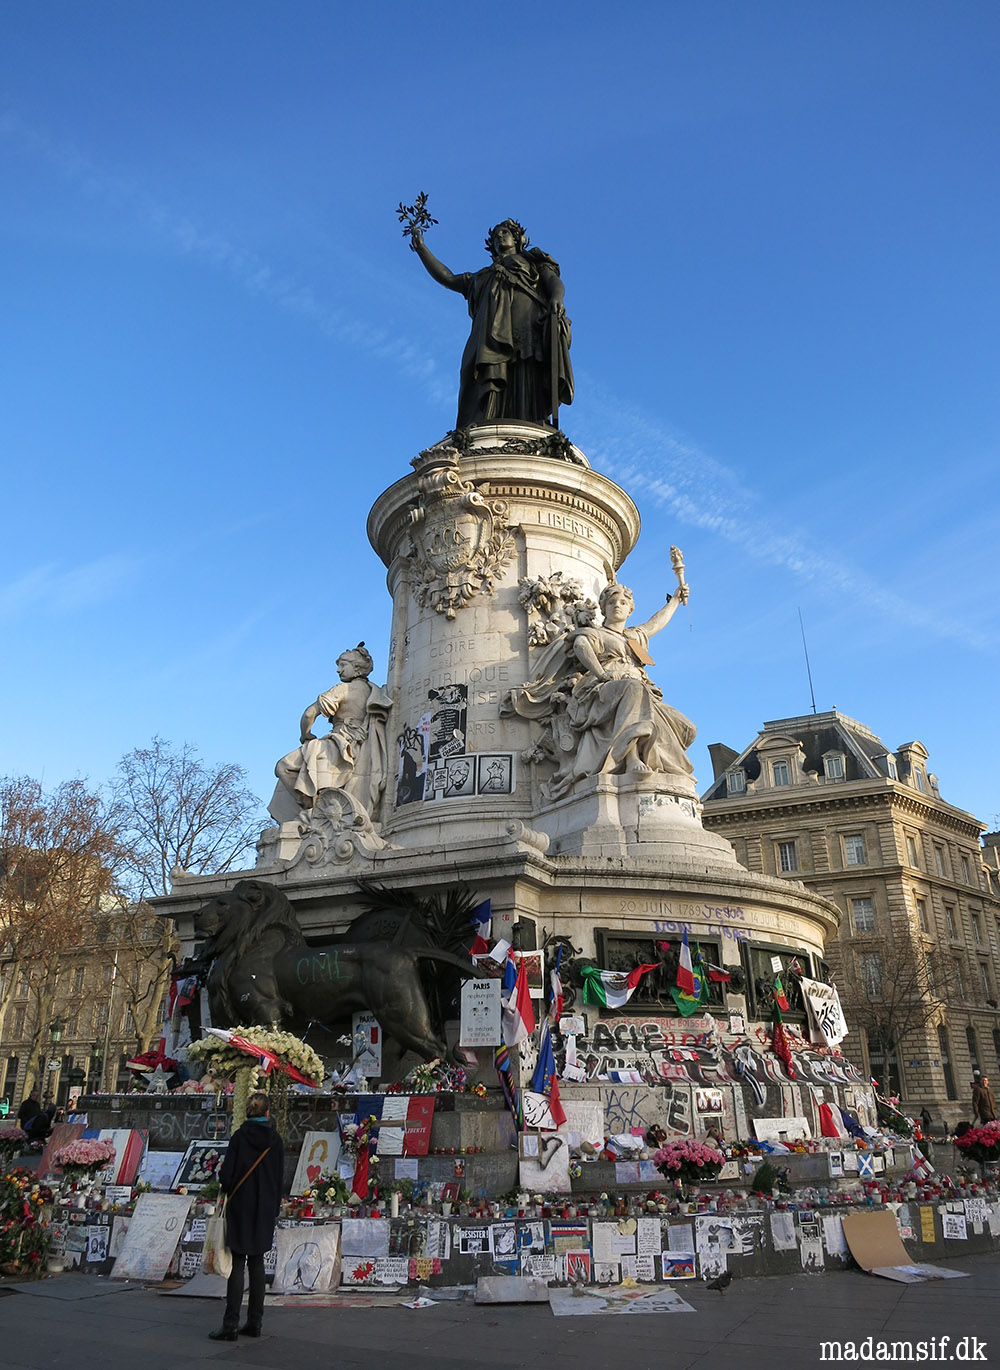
{"points": [[918, 777], [833, 765], [736, 782], [780, 773]]}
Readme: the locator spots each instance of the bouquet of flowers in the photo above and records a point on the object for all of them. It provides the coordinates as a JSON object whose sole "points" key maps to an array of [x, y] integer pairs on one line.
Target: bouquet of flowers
{"points": [[12, 1141], [279, 1049], [24, 1235], [83, 1157], [981, 1144], [329, 1189], [689, 1162]]}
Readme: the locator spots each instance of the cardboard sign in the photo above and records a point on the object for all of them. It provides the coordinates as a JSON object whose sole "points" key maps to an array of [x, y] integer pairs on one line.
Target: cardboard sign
{"points": [[308, 1260], [320, 1152], [155, 1229]]}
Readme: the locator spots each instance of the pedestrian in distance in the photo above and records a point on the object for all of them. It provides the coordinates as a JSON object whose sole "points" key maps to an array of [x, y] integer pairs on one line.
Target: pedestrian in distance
{"points": [[251, 1178]]}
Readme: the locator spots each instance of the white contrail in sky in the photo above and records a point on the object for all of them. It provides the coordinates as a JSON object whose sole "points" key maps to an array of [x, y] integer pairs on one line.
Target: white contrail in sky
{"points": [[632, 447]]}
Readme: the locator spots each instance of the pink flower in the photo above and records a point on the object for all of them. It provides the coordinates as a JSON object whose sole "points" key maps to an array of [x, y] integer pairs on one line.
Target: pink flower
{"points": [[89, 1153]]}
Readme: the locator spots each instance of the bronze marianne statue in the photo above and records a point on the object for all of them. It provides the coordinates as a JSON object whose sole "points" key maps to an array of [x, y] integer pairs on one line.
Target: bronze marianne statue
{"points": [[516, 363]]}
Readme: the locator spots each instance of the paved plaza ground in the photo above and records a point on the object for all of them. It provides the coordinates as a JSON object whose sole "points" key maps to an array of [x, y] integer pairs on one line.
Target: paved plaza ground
{"points": [[776, 1323]]}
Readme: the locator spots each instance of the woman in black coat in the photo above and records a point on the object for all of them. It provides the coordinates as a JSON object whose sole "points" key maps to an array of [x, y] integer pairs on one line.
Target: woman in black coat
{"points": [[252, 1176]]}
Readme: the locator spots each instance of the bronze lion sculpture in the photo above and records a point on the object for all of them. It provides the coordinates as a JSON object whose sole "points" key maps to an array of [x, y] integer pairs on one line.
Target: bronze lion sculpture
{"points": [[261, 970]]}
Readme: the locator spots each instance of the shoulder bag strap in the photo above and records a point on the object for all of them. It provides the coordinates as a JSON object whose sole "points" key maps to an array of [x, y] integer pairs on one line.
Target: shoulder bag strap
{"points": [[248, 1173]]}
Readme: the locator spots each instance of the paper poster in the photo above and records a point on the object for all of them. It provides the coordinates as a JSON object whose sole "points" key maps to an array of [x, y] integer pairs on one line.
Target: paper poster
{"points": [[480, 1024], [578, 1267], [367, 1045], [503, 1241], [196, 1232], [119, 1226], [850, 1162], [994, 1221], [437, 1243], [783, 1231], [781, 1129], [320, 1152], [367, 1237], [308, 1260], [641, 1268], [648, 1239], [748, 1234], [602, 1242], [156, 1228], [541, 1266], [530, 1236], [97, 1242], [607, 1272], [382, 1270], [680, 1237], [927, 1224], [835, 1162], [679, 1267], [474, 1241], [953, 1226], [833, 1234], [975, 1212], [406, 1169]]}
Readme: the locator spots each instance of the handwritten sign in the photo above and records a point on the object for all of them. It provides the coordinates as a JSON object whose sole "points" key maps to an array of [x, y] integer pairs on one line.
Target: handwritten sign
{"points": [[151, 1240], [480, 1014]]}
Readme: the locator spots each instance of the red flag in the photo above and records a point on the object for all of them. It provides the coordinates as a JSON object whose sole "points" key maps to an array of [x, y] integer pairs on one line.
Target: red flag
{"points": [[779, 1043]]}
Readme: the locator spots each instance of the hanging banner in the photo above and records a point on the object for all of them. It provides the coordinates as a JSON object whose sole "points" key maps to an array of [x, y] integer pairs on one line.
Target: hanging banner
{"points": [[827, 1025]]}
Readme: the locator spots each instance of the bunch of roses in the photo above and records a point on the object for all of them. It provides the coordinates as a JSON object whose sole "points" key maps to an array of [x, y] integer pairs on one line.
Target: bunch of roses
{"points": [[691, 1162], [12, 1141], [84, 1157], [981, 1143], [21, 1194]]}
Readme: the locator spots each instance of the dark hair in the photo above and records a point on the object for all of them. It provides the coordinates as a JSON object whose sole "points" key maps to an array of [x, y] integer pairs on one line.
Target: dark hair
{"points": [[257, 1105]]}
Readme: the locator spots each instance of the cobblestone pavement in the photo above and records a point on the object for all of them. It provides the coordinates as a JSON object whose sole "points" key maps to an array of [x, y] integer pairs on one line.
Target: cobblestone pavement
{"points": [[777, 1322]]}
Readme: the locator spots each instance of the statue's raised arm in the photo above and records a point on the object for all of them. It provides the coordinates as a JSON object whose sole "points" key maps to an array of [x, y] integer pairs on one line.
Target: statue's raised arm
{"points": [[516, 365]]}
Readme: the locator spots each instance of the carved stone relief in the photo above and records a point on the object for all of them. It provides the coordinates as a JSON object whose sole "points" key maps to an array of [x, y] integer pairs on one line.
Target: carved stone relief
{"points": [[460, 537]]}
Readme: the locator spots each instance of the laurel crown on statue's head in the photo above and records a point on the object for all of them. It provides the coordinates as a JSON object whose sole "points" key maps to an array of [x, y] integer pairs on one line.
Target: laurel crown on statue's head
{"points": [[520, 237]]}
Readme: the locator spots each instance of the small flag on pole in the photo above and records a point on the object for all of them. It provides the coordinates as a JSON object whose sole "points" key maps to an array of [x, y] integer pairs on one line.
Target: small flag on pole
{"points": [[544, 1080], [611, 987], [518, 1015]]}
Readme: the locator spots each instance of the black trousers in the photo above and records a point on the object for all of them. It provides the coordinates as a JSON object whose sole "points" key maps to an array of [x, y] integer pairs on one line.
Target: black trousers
{"points": [[234, 1292]]}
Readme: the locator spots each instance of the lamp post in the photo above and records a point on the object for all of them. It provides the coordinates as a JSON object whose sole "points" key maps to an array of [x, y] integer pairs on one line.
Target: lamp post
{"points": [[55, 1037], [94, 1077]]}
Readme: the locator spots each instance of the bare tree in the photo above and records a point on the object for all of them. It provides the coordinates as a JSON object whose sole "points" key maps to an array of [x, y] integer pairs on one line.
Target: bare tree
{"points": [[891, 985], [60, 858], [179, 811]]}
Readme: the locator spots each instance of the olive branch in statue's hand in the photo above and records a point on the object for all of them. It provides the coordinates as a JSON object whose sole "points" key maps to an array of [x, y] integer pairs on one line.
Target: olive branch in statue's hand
{"points": [[415, 217]]}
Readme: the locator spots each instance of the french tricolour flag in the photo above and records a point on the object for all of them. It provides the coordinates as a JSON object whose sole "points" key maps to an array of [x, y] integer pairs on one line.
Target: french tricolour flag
{"points": [[685, 972], [481, 919], [518, 1015]]}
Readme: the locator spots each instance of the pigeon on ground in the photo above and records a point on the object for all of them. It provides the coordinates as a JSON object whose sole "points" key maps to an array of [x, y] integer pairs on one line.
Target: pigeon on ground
{"points": [[721, 1282]]}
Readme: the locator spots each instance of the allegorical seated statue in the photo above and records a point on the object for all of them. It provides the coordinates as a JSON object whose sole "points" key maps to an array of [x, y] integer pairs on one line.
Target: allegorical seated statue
{"points": [[601, 714], [352, 755], [520, 334]]}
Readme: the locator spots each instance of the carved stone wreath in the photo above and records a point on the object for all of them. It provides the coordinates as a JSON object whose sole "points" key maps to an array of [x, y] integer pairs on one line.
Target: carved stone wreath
{"points": [[336, 830], [460, 538]]}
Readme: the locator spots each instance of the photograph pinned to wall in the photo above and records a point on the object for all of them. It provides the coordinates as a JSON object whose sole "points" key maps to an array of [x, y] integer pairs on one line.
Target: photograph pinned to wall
{"points": [[308, 1260], [533, 970], [97, 1243], [496, 773], [737, 1024], [679, 1265], [835, 1161]]}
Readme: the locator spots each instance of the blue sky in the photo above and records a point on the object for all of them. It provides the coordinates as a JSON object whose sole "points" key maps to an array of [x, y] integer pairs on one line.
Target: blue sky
{"points": [[777, 225]]}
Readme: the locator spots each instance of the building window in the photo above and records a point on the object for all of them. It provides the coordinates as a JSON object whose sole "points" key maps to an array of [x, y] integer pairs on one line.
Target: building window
{"points": [[922, 915], [959, 981], [996, 1046], [101, 1018], [918, 776], [987, 992], [970, 1037], [949, 913], [939, 859], [854, 850], [870, 973], [890, 766], [107, 973], [949, 1077], [19, 1013], [779, 773], [966, 868], [22, 983], [833, 765], [788, 857], [72, 1025], [911, 851], [736, 782], [977, 929], [863, 915], [78, 976]]}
